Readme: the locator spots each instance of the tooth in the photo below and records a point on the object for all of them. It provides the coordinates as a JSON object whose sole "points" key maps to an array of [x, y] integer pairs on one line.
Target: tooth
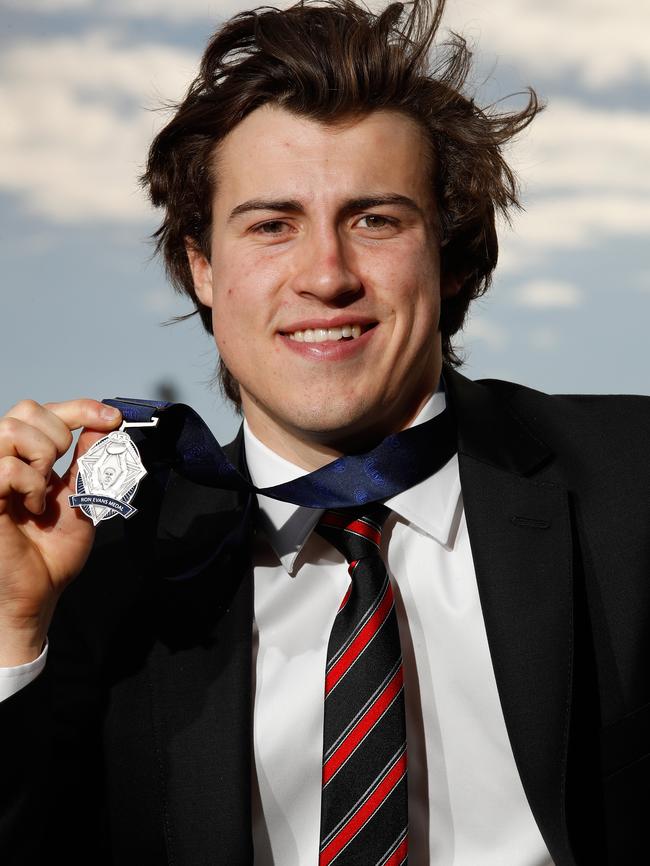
{"points": [[319, 335]]}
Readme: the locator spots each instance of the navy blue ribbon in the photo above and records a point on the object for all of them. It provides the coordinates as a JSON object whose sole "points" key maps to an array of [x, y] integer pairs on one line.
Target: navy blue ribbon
{"points": [[399, 462]]}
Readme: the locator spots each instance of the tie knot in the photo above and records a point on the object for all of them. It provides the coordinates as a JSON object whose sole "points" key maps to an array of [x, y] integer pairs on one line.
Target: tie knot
{"points": [[355, 533]]}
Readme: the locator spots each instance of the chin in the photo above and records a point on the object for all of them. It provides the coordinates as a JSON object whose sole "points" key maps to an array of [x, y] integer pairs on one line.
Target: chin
{"points": [[324, 422], [343, 427]]}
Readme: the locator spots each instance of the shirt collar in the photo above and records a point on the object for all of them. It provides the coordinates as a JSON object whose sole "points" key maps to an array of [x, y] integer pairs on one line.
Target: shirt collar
{"points": [[429, 506]]}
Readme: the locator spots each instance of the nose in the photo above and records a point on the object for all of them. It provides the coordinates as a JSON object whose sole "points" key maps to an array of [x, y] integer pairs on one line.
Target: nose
{"points": [[325, 268]]}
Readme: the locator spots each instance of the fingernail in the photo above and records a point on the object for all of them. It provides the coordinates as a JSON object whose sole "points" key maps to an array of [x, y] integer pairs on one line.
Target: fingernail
{"points": [[109, 413]]}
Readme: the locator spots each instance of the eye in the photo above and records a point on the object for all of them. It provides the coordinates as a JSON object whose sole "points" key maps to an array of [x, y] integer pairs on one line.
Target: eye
{"points": [[272, 227], [375, 222]]}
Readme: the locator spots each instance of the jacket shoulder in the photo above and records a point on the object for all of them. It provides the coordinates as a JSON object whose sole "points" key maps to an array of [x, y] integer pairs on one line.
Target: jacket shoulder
{"points": [[590, 414], [600, 436]]}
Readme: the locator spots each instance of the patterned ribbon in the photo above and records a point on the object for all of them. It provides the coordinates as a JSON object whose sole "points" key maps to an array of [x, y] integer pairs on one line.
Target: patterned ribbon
{"points": [[364, 808], [400, 461]]}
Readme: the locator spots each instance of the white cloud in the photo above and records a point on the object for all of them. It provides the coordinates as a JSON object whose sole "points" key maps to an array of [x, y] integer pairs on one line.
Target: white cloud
{"points": [[584, 220], [572, 146], [599, 42], [584, 178], [548, 295], [75, 130], [75, 133], [50, 5], [174, 10], [99, 62], [181, 10], [571, 222]]}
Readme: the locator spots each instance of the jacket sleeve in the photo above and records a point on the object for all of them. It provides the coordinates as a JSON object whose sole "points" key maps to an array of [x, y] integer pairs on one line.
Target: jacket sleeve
{"points": [[51, 769]]}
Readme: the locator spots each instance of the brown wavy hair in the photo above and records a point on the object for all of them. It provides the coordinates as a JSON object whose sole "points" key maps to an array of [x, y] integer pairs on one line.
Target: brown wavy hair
{"points": [[330, 60]]}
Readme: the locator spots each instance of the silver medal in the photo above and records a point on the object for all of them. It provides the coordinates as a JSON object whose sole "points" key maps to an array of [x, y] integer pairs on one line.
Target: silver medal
{"points": [[108, 476]]}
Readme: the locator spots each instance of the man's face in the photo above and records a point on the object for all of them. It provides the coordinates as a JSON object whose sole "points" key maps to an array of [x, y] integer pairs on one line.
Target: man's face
{"points": [[324, 280], [108, 476]]}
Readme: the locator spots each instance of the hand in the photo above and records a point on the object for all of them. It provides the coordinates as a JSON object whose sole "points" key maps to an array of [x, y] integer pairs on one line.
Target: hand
{"points": [[44, 543]]}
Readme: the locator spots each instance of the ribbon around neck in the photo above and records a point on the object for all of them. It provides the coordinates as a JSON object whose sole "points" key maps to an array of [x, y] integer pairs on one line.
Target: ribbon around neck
{"points": [[399, 462]]}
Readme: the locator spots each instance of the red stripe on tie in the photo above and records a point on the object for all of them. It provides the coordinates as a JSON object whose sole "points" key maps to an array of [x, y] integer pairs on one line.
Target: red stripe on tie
{"points": [[399, 855], [334, 520], [360, 642], [363, 727], [360, 527], [365, 811]]}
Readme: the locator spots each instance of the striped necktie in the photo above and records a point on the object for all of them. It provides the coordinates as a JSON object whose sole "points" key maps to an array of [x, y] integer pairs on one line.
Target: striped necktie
{"points": [[364, 812]]}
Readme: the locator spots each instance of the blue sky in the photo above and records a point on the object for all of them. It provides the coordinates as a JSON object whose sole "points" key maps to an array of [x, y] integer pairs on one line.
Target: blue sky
{"points": [[82, 302]]}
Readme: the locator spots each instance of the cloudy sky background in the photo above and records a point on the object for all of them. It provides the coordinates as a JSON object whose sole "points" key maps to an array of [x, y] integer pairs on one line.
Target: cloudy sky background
{"points": [[82, 303]]}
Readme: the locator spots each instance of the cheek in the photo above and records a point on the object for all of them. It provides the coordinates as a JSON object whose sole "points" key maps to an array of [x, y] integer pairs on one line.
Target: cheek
{"points": [[227, 324], [413, 289], [231, 293], [247, 278], [240, 300]]}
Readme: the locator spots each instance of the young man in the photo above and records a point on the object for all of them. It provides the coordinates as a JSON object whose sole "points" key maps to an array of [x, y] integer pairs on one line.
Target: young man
{"points": [[329, 206]]}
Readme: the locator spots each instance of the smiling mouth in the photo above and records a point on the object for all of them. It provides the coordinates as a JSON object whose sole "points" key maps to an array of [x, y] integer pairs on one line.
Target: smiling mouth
{"points": [[322, 335]]}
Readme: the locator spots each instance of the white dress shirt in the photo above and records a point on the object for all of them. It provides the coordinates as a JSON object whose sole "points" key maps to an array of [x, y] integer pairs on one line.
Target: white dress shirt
{"points": [[466, 803], [467, 806], [12, 680]]}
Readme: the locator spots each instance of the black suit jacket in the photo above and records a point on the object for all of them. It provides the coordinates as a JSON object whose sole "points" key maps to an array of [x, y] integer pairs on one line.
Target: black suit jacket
{"points": [[134, 746]]}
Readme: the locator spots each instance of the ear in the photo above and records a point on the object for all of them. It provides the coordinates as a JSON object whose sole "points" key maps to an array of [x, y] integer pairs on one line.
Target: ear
{"points": [[201, 272]]}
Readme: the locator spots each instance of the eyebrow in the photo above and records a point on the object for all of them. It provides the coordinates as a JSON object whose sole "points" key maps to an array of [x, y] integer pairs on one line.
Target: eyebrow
{"points": [[352, 206]]}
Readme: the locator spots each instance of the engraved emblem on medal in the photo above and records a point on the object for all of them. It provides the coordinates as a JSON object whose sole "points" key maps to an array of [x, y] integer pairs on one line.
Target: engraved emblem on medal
{"points": [[108, 476]]}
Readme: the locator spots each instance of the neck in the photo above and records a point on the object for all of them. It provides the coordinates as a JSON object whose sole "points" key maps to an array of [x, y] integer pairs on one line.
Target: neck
{"points": [[310, 450]]}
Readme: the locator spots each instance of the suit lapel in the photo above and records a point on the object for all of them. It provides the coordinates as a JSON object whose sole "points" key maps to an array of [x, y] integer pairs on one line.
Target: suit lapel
{"points": [[520, 536], [201, 674]]}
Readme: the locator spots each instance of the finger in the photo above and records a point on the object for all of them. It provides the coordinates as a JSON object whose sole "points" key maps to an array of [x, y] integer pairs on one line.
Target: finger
{"points": [[18, 439], [17, 477], [32, 413], [86, 413], [56, 420]]}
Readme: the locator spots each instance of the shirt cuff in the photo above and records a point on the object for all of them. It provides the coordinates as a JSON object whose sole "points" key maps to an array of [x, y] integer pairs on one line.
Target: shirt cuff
{"points": [[14, 679]]}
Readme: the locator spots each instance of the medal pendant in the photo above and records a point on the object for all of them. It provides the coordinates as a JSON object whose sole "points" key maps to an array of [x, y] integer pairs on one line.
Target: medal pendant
{"points": [[108, 476]]}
